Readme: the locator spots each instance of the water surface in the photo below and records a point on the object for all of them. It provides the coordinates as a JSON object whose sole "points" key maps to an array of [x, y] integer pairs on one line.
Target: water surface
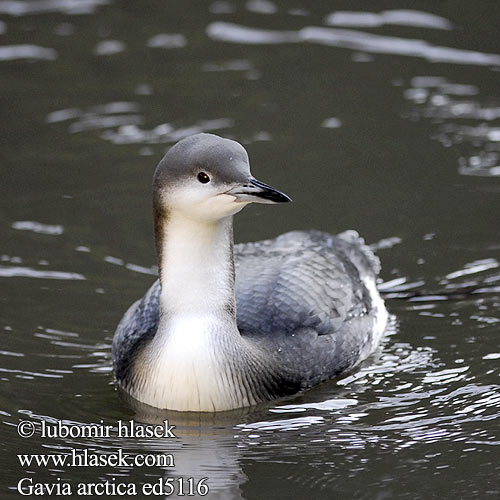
{"points": [[385, 119]]}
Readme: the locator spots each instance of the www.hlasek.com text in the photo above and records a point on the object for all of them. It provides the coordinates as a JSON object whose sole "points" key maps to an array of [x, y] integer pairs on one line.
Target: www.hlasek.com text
{"points": [[82, 458]]}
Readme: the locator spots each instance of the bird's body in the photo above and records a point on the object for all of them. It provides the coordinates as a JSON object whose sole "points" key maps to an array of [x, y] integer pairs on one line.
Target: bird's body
{"points": [[215, 333]]}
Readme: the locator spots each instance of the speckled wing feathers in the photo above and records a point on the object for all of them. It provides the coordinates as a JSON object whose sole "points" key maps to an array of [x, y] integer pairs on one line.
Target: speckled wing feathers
{"points": [[301, 297], [300, 279]]}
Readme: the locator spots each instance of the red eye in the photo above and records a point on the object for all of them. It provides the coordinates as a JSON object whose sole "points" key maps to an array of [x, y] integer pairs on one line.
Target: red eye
{"points": [[203, 177]]}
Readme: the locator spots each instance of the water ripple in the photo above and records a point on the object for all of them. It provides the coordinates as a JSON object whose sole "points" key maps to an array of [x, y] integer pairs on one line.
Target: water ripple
{"points": [[167, 41], [33, 52], [492, 355], [121, 121], [153, 271], [261, 7], [96, 122], [329, 404], [235, 33], [109, 115], [351, 39], [109, 47], [31, 7], [38, 227], [231, 65], [281, 424], [163, 133], [29, 374], [415, 18], [445, 376], [28, 272], [449, 104], [475, 267]]}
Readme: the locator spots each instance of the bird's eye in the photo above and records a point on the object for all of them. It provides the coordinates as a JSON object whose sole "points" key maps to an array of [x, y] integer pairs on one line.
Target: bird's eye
{"points": [[203, 177]]}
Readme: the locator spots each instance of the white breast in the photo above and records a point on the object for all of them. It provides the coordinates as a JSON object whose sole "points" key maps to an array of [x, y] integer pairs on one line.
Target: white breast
{"points": [[189, 368]]}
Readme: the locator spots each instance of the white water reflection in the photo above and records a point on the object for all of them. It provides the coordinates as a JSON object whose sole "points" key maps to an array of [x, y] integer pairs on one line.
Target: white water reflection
{"points": [[62, 115], [463, 121], [283, 424], [231, 65], [167, 41], [235, 33], [328, 405], [482, 165], [261, 7], [115, 107], [475, 267], [493, 355], [109, 47], [386, 243], [31, 7], [381, 44], [95, 122], [26, 374], [30, 52], [153, 271], [332, 122], [163, 133], [471, 279], [28, 272], [413, 18], [351, 39], [93, 113], [445, 376], [122, 122], [38, 227]]}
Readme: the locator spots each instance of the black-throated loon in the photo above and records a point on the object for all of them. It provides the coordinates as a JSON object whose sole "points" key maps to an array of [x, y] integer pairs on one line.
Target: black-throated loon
{"points": [[225, 328]]}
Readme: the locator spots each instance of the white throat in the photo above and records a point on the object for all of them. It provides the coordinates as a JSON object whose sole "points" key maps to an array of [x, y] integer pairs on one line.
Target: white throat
{"points": [[197, 359], [197, 271]]}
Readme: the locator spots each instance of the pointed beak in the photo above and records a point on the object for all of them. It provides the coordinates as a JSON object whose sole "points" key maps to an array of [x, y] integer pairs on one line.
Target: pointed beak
{"points": [[257, 192]]}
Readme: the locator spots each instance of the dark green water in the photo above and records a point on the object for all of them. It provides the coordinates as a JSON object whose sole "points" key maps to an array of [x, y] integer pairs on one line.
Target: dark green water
{"points": [[395, 135]]}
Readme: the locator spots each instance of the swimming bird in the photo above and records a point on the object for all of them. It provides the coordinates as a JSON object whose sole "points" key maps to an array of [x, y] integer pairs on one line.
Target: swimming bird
{"points": [[228, 326]]}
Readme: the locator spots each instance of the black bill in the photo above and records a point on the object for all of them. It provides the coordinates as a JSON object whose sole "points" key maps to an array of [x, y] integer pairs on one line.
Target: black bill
{"points": [[258, 192]]}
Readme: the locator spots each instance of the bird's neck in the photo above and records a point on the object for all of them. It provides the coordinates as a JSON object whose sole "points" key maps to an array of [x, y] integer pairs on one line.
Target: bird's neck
{"points": [[196, 268], [197, 359]]}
